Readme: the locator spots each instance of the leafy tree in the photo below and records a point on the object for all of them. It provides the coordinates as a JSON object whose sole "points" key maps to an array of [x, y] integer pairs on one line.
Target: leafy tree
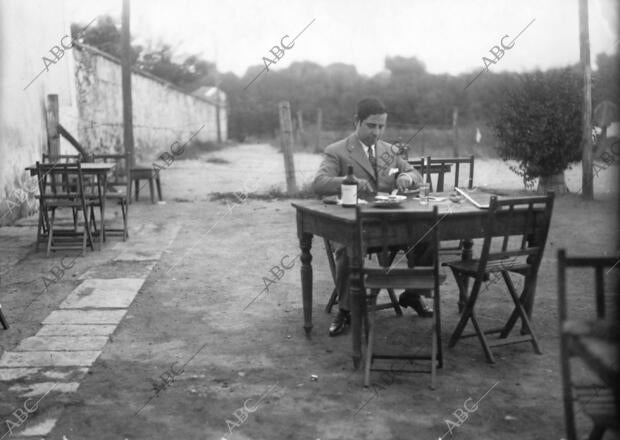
{"points": [[538, 125]]}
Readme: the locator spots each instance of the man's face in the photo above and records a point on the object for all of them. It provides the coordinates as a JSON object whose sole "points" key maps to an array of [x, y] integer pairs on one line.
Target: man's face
{"points": [[371, 129]]}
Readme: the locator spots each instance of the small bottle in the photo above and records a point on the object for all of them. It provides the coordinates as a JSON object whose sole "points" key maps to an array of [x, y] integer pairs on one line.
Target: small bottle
{"points": [[348, 189]]}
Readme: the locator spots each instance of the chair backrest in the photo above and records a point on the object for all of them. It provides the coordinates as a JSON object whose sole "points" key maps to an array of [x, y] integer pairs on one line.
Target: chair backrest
{"points": [[523, 225], [60, 181], [419, 164], [383, 230], [443, 165], [120, 175], [62, 158], [598, 265]]}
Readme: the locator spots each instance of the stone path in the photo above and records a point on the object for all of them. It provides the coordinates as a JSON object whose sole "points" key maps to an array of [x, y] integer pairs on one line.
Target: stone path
{"points": [[60, 354]]}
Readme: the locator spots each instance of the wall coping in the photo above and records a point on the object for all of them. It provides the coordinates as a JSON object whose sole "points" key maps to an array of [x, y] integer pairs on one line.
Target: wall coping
{"points": [[94, 50]]}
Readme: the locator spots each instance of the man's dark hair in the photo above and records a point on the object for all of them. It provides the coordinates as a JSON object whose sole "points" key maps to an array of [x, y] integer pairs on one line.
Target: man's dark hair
{"points": [[367, 107]]}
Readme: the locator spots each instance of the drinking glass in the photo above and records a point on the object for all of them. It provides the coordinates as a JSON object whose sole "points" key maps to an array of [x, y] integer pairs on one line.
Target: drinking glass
{"points": [[424, 192]]}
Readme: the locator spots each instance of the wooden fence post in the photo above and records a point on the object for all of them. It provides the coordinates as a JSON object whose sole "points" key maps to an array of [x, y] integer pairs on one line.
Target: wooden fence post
{"points": [[319, 124], [53, 137], [455, 130], [286, 133]]}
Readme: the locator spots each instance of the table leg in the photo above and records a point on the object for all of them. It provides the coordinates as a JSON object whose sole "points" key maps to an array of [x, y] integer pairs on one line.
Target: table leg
{"points": [[305, 244], [466, 254], [152, 189], [136, 186], [357, 308], [158, 182], [103, 197]]}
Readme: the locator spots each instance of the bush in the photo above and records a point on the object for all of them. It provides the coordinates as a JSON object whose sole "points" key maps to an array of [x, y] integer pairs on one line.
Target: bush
{"points": [[539, 124]]}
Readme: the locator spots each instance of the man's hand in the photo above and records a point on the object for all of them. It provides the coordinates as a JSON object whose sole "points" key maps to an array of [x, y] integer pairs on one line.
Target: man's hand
{"points": [[403, 182]]}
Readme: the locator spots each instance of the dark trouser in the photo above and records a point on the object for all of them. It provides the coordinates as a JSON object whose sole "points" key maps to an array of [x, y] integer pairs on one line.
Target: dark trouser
{"points": [[420, 255]]}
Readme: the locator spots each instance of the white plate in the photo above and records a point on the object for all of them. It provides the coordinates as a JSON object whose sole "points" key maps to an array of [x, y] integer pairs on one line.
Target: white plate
{"points": [[391, 198]]}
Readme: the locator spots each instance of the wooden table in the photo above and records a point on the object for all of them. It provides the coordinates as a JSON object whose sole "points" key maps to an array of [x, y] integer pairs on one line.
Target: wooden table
{"points": [[92, 169], [457, 221]]}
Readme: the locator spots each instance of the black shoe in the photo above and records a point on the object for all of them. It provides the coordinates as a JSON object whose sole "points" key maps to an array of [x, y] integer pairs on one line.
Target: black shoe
{"points": [[342, 319], [412, 299]]}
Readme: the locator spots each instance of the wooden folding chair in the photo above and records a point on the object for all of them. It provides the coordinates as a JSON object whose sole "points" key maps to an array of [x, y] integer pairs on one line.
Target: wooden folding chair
{"points": [[593, 342], [385, 277], [523, 259], [442, 166], [118, 191], [61, 185]]}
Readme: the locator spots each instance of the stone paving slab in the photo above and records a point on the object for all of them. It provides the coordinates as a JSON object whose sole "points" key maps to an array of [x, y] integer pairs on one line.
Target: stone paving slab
{"points": [[62, 343], [139, 255], [7, 374], [37, 429], [85, 317], [48, 359], [103, 293], [41, 388], [76, 330], [139, 269]]}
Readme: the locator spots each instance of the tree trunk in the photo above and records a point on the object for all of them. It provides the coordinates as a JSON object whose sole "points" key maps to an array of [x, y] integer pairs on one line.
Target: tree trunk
{"points": [[555, 183]]}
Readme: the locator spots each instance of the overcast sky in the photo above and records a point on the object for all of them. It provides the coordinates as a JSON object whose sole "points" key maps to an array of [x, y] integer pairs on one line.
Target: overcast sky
{"points": [[448, 36]]}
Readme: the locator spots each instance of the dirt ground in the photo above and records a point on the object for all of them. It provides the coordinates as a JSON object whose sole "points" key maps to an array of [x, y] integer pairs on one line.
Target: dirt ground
{"points": [[204, 262]]}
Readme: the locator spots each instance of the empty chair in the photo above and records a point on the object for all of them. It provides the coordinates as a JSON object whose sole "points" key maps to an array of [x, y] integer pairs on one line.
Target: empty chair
{"points": [[521, 251], [118, 184], [385, 277], [593, 343], [61, 186]]}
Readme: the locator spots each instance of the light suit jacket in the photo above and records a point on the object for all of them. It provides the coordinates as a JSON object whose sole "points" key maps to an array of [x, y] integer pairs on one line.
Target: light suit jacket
{"points": [[349, 151]]}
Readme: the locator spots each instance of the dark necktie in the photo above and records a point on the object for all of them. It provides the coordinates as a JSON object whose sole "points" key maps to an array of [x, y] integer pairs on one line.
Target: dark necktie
{"points": [[373, 160]]}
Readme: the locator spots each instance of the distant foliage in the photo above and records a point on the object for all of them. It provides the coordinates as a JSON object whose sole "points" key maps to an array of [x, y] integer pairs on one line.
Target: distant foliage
{"points": [[413, 96], [538, 124]]}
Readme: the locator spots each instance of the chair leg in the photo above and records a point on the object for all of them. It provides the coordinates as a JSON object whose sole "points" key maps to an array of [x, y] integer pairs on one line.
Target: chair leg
{"points": [[394, 301], [158, 183], [39, 230], [482, 338], [434, 355], [87, 232], [136, 186], [521, 312], [152, 190], [371, 337], [124, 208], [437, 317], [515, 315], [50, 233]]}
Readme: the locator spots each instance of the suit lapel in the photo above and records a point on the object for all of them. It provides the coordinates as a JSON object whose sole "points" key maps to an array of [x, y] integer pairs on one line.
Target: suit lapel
{"points": [[356, 153]]}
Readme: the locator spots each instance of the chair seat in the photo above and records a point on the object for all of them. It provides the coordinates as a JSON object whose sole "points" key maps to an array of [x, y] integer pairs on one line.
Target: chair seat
{"points": [[401, 279], [470, 267], [65, 203]]}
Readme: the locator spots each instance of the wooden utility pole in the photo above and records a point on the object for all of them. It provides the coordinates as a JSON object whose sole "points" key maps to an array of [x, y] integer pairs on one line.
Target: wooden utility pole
{"points": [[286, 133], [126, 85], [53, 137], [586, 125], [300, 127], [455, 130], [319, 127]]}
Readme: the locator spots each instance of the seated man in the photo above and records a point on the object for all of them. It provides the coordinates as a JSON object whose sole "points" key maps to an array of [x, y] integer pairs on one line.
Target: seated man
{"points": [[373, 164]]}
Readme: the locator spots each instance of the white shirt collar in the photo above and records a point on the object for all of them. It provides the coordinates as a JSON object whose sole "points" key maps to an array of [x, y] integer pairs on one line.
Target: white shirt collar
{"points": [[366, 147]]}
